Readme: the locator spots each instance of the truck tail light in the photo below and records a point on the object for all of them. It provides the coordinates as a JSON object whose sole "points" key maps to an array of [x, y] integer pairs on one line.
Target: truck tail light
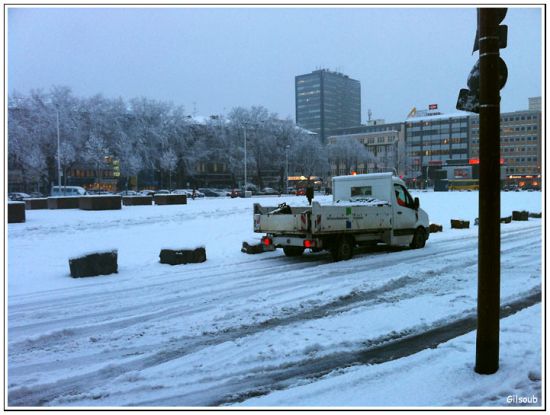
{"points": [[266, 241], [308, 243]]}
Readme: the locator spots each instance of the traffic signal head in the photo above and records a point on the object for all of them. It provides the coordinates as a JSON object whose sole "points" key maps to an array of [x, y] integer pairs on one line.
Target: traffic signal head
{"points": [[468, 99]]}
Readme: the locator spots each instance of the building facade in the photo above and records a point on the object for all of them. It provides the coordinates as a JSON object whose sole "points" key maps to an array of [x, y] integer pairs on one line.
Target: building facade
{"points": [[327, 100], [385, 142], [520, 145], [431, 141]]}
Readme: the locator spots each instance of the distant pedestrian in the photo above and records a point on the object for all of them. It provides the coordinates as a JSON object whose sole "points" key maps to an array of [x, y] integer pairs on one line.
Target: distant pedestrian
{"points": [[309, 194], [194, 194]]}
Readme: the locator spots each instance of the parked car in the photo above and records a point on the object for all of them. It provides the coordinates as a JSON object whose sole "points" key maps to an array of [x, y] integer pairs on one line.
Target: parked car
{"points": [[269, 191], [36, 194], [162, 192], [147, 192], [209, 192], [18, 196], [128, 193], [236, 193], [69, 191], [186, 192], [300, 192]]}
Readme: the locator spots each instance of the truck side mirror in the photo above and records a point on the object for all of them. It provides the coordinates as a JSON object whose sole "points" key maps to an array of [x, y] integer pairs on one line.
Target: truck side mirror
{"points": [[416, 203]]}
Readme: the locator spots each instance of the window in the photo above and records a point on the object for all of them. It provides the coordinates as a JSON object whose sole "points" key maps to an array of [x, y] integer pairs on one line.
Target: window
{"points": [[403, 197], [361, 191]]}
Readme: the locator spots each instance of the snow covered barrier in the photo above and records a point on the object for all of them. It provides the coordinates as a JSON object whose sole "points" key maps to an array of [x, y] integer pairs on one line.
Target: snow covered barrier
{"points": [[170, 199], [256, 248], [182, 256], [37, 203], [535, 215], [137, 200], [460, 224], [105, 202], [434, 228], [507, 219], [97, 263], [63, 202], [520, 215], [16, 212]]}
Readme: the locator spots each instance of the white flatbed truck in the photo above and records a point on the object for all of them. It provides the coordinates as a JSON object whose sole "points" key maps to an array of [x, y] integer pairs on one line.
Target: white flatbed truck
{"points": [[366, 209]]}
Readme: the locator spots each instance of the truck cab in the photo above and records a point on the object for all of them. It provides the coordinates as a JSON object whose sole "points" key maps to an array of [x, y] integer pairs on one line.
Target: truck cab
{"points": [[408, 217]]}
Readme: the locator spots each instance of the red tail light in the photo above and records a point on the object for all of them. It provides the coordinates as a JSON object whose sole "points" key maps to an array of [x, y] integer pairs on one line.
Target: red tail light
{"points": [[309, 244], [267, 241]]}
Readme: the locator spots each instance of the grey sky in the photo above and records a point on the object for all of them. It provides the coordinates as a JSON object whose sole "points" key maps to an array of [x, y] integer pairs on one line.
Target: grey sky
{"points": [[219, 58]]}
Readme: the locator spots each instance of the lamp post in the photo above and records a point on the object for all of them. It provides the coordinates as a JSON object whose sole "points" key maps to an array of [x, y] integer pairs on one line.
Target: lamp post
{"points": [[286, 169], [244, 132], [58, 151]]}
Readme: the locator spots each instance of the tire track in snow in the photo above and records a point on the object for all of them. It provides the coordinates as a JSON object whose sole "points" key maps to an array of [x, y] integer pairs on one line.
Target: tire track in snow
{"points": [[246, 386], [74, 385], [164, 312]]}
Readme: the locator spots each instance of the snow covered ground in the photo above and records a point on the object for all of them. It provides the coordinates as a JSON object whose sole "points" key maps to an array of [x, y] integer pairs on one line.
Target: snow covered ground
{"points": [[388, 328]]}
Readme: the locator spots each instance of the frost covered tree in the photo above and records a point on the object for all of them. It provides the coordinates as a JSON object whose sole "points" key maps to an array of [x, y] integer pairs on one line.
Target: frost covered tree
{"points": [[169, 162], [348, 155], [95, 152]]}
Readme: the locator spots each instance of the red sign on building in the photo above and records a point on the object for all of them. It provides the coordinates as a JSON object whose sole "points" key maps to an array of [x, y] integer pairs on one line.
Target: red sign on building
{"points": [[432, 106]]}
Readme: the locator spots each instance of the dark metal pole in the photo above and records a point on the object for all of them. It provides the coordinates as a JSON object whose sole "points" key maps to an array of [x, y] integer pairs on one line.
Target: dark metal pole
{"points": [[488, 303]]}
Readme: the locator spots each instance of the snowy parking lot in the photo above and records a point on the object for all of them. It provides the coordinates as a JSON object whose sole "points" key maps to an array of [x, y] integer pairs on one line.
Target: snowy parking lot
{"points": [[388, 328]]}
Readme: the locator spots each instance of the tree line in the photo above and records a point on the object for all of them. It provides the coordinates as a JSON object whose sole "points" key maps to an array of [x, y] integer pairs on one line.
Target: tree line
{"points": [[151, 138]]}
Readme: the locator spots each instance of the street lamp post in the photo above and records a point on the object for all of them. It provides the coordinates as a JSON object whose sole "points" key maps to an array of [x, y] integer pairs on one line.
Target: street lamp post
{"points": [[286, 169], [58, 151], [244, 131]]}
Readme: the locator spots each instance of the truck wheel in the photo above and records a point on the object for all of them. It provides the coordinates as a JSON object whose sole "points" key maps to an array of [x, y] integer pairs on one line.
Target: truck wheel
{"points": [[342, 249], [293, 250], [419, 239]]}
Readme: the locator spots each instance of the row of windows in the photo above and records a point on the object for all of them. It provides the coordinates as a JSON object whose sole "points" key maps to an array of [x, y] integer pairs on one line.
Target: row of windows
{"points": [[436, 152], [521, 170], [518, 150], [92, 173], [516, 160], [510, 139], [507, 130], [440, 148], [443, 123], [510, 118], [437, 141]]}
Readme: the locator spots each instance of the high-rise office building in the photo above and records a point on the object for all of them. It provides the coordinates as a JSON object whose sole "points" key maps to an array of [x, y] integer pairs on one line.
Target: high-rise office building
{"points": [[327, 100]]}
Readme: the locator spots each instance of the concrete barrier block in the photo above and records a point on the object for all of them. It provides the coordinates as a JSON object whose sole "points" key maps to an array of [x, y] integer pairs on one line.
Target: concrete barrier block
{"points": [[90, 265], [63, 202], [434, 228], [182, 256], [170, 199], [460, 224], [137, 200], [16, 212], [522, 215], [36, 203], [105, 202]]}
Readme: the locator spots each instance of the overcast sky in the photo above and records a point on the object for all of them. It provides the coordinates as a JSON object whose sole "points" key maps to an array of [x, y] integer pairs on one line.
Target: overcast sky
{"points": [[213, 59]]}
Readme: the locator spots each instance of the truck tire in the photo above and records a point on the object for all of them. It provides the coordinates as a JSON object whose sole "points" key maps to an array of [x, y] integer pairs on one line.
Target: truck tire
{"points": [[419, 239], [342, 249], [293, 250]]}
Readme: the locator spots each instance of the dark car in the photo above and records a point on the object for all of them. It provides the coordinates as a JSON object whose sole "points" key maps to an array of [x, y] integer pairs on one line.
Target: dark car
{"points": [[209, 192], [18, 196], [300, 192]]}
